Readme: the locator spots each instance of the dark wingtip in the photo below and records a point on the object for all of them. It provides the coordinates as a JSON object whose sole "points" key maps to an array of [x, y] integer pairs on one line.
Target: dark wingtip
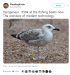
{"points": [[13, 35]]}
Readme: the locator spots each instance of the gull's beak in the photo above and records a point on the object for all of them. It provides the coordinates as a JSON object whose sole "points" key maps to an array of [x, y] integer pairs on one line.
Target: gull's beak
{"points": [[56, 29]]}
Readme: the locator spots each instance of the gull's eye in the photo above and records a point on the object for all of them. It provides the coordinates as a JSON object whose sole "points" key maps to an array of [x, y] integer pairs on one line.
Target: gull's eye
{"points": [[49, 27]]}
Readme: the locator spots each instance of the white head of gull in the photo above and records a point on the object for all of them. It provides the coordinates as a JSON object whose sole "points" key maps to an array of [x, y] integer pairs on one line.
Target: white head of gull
{"points": [[37, 37]]}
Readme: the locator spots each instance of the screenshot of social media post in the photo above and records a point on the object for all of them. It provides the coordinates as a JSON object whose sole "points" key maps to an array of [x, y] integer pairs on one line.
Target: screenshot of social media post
{"points": [[35, 37]]}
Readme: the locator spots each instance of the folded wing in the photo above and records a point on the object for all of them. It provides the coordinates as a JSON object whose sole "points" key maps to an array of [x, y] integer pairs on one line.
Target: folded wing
{"points": [[29, 35]]}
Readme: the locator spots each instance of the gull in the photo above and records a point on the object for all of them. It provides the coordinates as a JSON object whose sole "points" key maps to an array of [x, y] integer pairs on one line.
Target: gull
{"points": [[37, 37]]}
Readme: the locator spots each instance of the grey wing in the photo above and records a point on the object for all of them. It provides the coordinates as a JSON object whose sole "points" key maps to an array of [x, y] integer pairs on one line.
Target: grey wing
{"points": [[29, 35]]}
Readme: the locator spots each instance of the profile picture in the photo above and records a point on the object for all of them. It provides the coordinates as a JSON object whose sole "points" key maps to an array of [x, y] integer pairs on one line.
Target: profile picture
{"points": [[5, 5]]}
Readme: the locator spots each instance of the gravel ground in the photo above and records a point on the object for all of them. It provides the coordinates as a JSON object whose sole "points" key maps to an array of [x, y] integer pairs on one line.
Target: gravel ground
{"points": [[17, 51]]}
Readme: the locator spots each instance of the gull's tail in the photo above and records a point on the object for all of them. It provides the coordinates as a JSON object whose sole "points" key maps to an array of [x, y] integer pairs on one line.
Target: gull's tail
{"points": [[13, 35], [16, 36]]}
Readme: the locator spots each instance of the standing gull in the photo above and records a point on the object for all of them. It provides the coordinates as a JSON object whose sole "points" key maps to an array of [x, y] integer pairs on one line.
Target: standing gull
{"points": [[37, 37]]}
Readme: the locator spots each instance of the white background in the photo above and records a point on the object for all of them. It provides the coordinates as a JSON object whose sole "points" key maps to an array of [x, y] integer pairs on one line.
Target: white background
{"points": [[57, 69]]}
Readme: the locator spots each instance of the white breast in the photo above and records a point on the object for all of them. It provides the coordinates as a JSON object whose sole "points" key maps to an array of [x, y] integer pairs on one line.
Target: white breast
{"points": [[48, 36]]}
